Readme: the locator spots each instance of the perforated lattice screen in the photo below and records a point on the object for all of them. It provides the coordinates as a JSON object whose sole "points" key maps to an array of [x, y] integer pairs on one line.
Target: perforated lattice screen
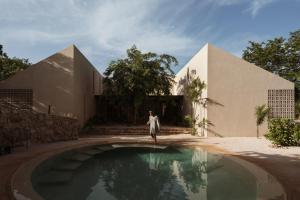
{"points": [[22, 97], [281, 103]]}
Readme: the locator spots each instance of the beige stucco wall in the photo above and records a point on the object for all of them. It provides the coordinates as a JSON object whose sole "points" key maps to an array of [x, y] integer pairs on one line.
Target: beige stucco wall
{"points": [[64, 81], [234, 88], [85, 90], [237, 87], [51, 81], [196, 67]]}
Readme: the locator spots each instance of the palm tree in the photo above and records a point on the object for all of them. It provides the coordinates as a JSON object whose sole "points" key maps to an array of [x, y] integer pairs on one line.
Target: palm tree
{"points": [[261, 113]]}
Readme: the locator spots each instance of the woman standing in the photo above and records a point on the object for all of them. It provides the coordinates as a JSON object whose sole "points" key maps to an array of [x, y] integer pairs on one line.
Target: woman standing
{"points": [[154, 125]]}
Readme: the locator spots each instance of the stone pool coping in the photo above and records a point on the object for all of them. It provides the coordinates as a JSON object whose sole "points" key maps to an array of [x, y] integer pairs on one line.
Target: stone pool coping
{"points": [[11, 164]]}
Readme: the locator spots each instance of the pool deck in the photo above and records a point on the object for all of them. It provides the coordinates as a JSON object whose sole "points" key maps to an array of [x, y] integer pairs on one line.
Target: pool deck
{"points": [[282, 163]]}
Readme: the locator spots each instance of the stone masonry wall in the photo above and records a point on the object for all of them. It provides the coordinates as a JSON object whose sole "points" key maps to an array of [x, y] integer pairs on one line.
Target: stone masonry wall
{"points": [[18, 125]]}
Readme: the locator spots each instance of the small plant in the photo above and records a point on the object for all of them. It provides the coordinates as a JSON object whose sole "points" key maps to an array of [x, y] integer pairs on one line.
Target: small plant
{"points": [[88, 125], [261, 112], [284, 132], [194, 92], [190, 122], [296, 134], [203, 124]]}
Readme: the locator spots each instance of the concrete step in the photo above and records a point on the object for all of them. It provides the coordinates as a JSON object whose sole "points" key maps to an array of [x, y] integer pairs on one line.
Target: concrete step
{"points": [[67, 166], [104, 148], [56, 177], [136, 130], [91, 152], [80, 157]]}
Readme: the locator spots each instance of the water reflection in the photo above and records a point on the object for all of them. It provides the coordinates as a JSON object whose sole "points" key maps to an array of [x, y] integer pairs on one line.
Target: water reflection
{"points": [[167, 174]]}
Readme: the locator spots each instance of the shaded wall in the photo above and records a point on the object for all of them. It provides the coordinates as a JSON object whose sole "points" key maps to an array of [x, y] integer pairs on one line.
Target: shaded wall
{"points": [[51, 81], [196, 67], [63, 84], [87, 84]]}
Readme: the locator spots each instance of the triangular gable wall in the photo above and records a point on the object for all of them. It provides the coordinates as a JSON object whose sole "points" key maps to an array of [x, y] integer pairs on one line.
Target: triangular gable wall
{"points": [[236, 87]]}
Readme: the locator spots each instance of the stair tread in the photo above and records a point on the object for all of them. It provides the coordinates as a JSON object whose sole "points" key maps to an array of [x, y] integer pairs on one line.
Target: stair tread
{"points": [[79, 157], [91, 152], [142, 130], [53, 177], [104, 148], [67, 165]]}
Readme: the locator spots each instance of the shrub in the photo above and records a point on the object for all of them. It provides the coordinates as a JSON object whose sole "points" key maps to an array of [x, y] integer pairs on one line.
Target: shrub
{"points": [[297, 133], [190, 122], [297, 109], [284, 132]]}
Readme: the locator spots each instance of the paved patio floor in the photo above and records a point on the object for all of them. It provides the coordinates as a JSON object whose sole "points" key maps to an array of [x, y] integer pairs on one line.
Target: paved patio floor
{"points": [[283, 163]]}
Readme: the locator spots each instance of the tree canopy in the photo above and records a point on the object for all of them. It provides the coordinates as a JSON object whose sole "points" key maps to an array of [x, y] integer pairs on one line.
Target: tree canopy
{"points": [[279, 55], [140, 74], [10, 66]]}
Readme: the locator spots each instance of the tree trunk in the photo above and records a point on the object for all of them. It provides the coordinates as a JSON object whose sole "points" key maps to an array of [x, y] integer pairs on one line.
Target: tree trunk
{"points": [[257, 132]]}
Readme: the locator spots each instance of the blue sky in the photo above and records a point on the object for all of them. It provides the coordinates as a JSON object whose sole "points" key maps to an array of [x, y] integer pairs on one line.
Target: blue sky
{"points": [[104, 29]]}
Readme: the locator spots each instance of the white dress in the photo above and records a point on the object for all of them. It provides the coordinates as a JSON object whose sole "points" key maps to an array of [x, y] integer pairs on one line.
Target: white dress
{"points": [[154, 124]]}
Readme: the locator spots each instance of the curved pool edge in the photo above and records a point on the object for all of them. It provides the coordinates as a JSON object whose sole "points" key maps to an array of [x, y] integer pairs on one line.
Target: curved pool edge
{"points": [[21, 186]]}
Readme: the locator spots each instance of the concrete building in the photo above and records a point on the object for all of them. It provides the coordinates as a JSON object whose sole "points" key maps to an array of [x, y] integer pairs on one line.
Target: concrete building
{"points": [[234, 88], [66, 84], [63, 84]]}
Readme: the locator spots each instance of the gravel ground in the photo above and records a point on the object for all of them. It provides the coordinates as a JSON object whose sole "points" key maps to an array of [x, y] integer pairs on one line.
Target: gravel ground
{"points": [[250, 144]]}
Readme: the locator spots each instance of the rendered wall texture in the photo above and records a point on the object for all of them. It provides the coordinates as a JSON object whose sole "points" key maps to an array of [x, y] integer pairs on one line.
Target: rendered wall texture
{"points": [[51, 81], [234, 88], [87, 84], [238, 87], [196, 67], [63, 82]]}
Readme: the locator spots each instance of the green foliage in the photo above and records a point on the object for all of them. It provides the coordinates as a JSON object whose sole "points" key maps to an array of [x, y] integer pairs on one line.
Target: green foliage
{"points": [[297, 109], [10, 66], [284, 132], [280, 56], [140, 74], [261, 112], [190, 122], [194, 90], [203, 124], [88, 125], [296, 134]]}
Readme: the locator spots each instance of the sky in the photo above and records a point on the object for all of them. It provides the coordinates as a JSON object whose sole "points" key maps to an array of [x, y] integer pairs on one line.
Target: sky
{"points": [[104, 29]]}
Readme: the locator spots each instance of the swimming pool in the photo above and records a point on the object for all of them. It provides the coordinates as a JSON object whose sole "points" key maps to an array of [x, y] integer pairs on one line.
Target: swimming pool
{"points": [[151, 172]]}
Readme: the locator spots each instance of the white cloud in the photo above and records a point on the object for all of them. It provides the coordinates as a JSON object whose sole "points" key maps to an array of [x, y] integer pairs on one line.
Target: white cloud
{"points": [[254, 6], [226, 2], [107, 25], [104, 29], [257, 5]]}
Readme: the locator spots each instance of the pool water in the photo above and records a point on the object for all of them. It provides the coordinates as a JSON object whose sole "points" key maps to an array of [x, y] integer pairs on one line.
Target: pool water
{"points": [[144, 173]]}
